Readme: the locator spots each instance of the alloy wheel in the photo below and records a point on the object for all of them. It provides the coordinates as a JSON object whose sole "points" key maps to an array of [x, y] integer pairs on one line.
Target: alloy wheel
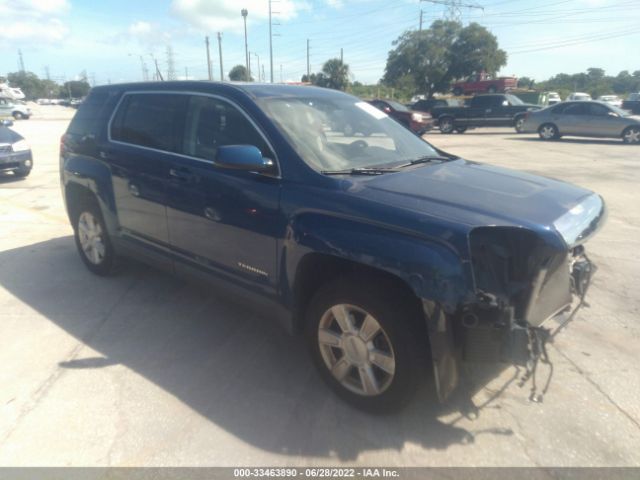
{"points": [[548, 132], [632, 135], [91, 238], [356, 350]]}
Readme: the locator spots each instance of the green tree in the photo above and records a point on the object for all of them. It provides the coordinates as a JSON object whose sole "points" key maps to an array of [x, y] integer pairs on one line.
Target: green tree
{"points": [[29, 83], [431, 59], [75, 89], [335, 74], [239, 74]]}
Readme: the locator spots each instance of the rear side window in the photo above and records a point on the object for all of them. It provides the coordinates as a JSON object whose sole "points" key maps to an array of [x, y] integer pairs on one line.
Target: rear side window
{"points": [[151, 120], [87, 120], [575, 109]]}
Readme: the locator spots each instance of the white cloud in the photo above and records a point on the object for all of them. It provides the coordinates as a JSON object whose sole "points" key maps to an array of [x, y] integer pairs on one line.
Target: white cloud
{"points": [[31, 21], [224, 15]]}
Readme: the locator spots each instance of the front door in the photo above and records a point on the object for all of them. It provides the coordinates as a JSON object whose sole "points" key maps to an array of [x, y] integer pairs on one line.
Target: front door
{"points": [[145, 134], [224, 221], [572, 119]]}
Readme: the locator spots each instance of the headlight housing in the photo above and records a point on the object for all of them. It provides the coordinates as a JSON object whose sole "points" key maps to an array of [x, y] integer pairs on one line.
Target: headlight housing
{"points": [[21, 146], [582, 221]]}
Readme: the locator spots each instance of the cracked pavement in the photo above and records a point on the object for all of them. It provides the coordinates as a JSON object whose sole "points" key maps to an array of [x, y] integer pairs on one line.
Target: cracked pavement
{"points": [[144, 369]]}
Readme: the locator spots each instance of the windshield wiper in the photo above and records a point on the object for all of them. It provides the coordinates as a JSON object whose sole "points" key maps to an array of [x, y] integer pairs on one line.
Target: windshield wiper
{"points": [[425, 159], [360, 171]]}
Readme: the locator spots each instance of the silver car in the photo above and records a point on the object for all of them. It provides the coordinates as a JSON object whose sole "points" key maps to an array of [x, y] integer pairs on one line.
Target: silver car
{"points": [[583, 119]]}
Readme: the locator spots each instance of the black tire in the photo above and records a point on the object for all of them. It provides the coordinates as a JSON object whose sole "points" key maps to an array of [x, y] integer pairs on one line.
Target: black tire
{"points": [[492, 89], [518, 124], [446, 125], [18, 115], [548, 131], [401, 329], [457, 91], [106, 264], [631, 136], [461, 129]]}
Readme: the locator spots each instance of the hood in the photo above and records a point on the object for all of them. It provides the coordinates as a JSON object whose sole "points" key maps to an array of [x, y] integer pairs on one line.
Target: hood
{"points": [[474, 194]]}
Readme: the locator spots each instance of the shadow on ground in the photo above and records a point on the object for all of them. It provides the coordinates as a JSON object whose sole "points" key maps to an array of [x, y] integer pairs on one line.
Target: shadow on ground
{"points": [[231, 366], [577, 141]]}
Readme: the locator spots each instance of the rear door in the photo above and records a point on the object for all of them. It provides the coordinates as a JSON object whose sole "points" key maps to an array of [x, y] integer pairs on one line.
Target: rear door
{"points": [[572, 119], [145, 133]]}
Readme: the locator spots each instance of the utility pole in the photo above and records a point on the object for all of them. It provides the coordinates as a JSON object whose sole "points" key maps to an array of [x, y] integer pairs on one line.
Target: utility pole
{"points": [[158, 72], [220, 53], [258, 65], [341, 56], [270, 44], [421, 12], [206, 42], [46, 72], [308, 65], [244, 12], [263, 75], [281, 80], [21, 59]]}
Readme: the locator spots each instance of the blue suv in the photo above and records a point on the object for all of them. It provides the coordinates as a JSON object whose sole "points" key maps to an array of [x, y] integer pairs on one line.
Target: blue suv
{"points": [[392, 257]]}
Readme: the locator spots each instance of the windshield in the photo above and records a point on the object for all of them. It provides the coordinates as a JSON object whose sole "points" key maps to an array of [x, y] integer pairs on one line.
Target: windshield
{"points": [[619, 111], [397, 106], [513, 100], [340, 133]]}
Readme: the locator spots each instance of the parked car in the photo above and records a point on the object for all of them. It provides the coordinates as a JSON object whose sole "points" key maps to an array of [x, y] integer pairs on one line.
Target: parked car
{"points": [[551, 98], [386, 252], [10, 107], [632, 103], [416, 121], [427, 105], [584, 119], [15, 153], [614, 100], [577, 96], [483, 83], [499, 110]]}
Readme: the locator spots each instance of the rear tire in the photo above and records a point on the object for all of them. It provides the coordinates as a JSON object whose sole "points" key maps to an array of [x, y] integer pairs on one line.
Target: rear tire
{"points": [[519, 124], [92, 239], [365, 340], [446, 125], [548, 131], [18, 115], [631, 136]]}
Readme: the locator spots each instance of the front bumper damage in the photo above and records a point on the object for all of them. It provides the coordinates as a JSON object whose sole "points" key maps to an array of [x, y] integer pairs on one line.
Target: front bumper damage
{"points": [[522, 281]]}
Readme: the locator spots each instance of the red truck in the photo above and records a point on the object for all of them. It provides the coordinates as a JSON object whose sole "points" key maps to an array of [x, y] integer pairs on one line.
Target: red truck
{"points": [[484, 83]]}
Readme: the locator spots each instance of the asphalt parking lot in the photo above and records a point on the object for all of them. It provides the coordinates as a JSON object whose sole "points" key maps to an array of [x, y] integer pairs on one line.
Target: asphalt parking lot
{"points": [[143, 369]]}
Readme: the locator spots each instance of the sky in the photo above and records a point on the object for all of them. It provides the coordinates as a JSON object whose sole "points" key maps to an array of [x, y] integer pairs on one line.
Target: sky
{"points": [[112, 39]]}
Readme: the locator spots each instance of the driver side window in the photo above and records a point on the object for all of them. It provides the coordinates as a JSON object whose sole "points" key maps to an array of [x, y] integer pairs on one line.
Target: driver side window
{"points": [[212, 123]]}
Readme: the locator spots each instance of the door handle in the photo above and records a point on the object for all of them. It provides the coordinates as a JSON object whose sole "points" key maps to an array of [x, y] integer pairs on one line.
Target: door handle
{"points": [[182, 174]]}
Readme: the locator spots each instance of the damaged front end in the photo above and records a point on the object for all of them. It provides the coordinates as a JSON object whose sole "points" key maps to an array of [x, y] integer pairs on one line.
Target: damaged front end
{"points": [[522, 279]]}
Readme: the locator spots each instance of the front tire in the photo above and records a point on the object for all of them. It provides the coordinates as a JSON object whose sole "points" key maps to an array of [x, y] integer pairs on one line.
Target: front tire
{"points": [[92, 239], [365, 340], [446, 125], [631, 136], [548, 131], [18, 115]]}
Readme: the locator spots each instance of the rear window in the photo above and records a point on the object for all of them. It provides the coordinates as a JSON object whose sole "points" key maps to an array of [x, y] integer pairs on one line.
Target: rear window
{"points": [[87, 120], [153, 120]]}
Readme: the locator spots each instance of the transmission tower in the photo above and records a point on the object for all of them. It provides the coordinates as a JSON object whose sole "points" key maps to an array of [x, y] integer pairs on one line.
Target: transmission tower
{"points": [[171, 66], [454, 7]]}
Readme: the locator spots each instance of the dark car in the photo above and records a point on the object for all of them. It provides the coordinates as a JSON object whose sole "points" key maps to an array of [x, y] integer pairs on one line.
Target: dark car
{"points": [[417, 122], [389, 255], [429, 104], [15, 153], [499, 110]]}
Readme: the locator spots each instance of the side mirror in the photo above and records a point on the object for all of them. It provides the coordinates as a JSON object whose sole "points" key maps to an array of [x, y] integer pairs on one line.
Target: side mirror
{"points": [[242, 157], [612, 114], [6, 123], [505, 103]]}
